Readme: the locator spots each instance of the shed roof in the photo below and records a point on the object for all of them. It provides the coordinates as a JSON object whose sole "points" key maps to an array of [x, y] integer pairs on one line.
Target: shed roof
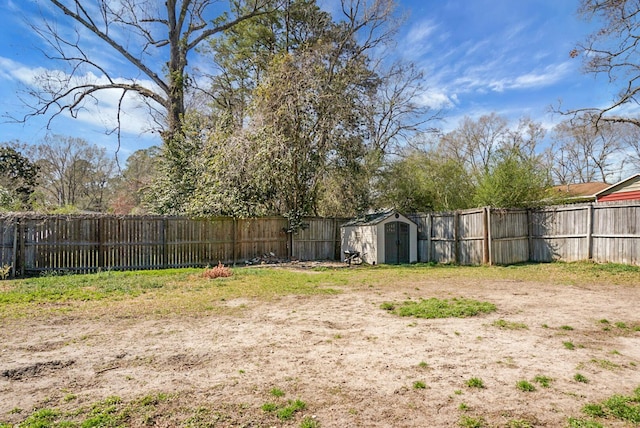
{"points": [[371, 219]]}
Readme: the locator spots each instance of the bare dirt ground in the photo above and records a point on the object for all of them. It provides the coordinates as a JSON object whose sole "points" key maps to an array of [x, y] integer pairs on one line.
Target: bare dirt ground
{"points": [[352, 363]]}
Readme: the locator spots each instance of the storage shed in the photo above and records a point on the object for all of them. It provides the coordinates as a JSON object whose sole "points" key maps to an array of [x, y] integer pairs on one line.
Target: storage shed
{"points": [[626, 190], [381, 237]]}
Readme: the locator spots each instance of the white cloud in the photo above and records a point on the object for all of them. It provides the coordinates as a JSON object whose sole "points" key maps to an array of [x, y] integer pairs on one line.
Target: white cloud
{"points": [[101, 109], [420, 32], [436, 99]]}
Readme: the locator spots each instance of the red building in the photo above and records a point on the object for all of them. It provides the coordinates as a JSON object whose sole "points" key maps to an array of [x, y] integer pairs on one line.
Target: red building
{"points": [[626, 190]]}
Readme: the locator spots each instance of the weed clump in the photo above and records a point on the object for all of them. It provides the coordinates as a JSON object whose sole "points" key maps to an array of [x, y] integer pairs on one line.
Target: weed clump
{"points": [[219, 271]]}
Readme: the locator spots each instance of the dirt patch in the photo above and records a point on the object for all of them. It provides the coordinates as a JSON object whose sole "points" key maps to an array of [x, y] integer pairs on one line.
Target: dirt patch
{"points": [[351, 362], [35, 370]]}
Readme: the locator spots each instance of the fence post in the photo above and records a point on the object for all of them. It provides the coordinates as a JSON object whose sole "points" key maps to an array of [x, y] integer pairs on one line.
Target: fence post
{"points": [[490, 236], [529, 234], [429, 235], [14, 256], [234, 241], [590, 231], [337, 241], [456, 234], [485, 236], [20, 256], [101, 239], [165, 247]]}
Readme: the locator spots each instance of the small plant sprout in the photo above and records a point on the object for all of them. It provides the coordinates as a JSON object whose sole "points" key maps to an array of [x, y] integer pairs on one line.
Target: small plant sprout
{"points": [[276, 392], [463, 406], [566, 327], [309, 422], [580, 378], [543, 381], [509, 325], [423, 365], [269, 407], [526, 386], [475, 382], [569, 345], [419, 385], [471, 422]]}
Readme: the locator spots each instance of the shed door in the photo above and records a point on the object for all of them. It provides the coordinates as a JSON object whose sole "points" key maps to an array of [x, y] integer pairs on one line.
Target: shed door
{"points": [[396, 243]]}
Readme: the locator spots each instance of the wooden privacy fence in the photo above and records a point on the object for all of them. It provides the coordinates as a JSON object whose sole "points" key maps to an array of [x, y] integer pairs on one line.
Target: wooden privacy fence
{"points": [[84, 243], [598, 232]]}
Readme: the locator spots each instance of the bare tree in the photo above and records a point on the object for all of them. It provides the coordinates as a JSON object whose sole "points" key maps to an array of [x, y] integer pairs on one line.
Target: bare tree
{"points": [[474, 142], [613, 50], [155, 39], [73, 172], [585, 151]]}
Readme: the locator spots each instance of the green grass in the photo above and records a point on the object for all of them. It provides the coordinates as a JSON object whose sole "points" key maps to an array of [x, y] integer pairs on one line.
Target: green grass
{"points": [[309, 422], [519, 423], [159, 409], [276, 392], [525, 386], [419, 385], [439, 308], [581, 423], [622, 407], [184, 290], [287, 412], [543, 381], [580, 378], [165, 291], [475, 382], [509, 325], [569, 345], [472, 422]]}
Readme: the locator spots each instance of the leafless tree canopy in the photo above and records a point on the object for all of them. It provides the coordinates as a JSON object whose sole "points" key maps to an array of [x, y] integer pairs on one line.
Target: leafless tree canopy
{"points": [[154, 39], [613, 50]]}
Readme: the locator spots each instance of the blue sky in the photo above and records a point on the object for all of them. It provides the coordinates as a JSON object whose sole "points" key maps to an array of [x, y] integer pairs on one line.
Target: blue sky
{"points": [[478, 56]]}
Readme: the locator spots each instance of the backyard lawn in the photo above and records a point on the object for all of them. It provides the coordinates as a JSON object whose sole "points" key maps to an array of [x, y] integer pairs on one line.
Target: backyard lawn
{"points": [[322, 345]]}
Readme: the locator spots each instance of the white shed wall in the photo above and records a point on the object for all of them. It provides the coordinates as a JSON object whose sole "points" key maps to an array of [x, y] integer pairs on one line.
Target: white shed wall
{"points": [[360, 238]]}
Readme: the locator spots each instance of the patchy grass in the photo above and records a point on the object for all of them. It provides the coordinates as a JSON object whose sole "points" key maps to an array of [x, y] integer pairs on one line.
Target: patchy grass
{"points": [[164, 291], [439, 308], [472, 422], [543, 381], [475, 382], [621, 407], [419, 385], [161, 410], [578, 377], [509, 325], [525, 386], [186, 291]]}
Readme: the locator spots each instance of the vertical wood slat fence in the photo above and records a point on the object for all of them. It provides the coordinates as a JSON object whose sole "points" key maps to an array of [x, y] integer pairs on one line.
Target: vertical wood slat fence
{"points": [[32, 244], [599, 232]]}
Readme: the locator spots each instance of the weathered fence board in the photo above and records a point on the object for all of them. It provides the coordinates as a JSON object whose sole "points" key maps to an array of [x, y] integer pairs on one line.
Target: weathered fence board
{"points": [[318, 240]]}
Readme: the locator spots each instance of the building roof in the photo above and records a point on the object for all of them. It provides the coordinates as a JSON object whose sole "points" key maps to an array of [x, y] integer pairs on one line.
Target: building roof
{"points": [[579, 190], [372, 218], [629, 185]]}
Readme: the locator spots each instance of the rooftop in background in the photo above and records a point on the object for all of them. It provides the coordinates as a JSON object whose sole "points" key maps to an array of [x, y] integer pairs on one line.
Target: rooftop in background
{"points": [[625, 190], [579, 190]]}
